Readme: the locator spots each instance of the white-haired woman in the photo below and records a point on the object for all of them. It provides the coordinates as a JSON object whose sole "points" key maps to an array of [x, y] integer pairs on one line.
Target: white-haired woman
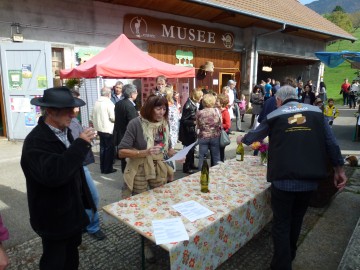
{"points": [[173, 117]]}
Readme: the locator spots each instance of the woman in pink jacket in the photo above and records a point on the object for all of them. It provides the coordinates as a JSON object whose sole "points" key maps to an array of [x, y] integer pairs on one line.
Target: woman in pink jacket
{"points": [[4, 235]]}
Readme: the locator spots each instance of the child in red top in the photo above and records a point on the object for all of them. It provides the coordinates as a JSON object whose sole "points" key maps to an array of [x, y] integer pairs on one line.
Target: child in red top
{"points": [[345, 89], [222, 104]]}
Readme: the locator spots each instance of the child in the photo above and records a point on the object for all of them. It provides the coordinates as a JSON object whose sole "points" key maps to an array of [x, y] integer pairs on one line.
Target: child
{"points": [[330, 111], [242, 107]]}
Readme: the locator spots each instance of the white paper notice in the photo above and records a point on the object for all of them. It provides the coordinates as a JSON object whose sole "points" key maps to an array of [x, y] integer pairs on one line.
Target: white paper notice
{"points": [[182, 153], [20, 104], [169, 230], [192, 210]]}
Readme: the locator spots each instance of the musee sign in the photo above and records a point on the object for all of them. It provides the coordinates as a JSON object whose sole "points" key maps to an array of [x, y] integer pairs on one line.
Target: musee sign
{"points": [[168, 31]]}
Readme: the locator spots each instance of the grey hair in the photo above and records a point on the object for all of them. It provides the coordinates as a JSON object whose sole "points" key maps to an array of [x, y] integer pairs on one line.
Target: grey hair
{"points": [[128, 89], [105, 91], [286, 92], [231, 82], [75, 91], [119, 83], [43, 112]]}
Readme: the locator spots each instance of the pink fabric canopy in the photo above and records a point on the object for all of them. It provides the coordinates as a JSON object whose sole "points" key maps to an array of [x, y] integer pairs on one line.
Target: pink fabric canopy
{"points": [[122, 59]]}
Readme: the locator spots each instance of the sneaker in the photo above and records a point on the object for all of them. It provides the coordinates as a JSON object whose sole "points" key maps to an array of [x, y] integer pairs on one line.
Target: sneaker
{"points": [[99, 235]]}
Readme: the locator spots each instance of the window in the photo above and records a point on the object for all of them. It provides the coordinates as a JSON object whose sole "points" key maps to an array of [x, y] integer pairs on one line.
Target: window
{"points": [[57, 56]]}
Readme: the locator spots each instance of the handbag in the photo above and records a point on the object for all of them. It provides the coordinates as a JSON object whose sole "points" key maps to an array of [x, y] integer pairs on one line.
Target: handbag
{"points": [[224, 137]]}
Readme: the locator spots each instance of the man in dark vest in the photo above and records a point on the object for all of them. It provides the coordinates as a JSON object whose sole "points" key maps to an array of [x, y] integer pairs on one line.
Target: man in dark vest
{"points": [[296, 131]]}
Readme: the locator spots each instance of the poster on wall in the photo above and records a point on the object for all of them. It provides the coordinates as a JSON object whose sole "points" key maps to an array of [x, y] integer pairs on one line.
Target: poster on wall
{"points": [[20, 104], [15, 79], [83, 54], [42, 81], [26, 71], [30, 119]]}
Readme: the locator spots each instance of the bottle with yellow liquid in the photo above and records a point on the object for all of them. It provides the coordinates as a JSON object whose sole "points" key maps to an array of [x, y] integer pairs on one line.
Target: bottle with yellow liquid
{"points": [[240, 152], [204, 178]]}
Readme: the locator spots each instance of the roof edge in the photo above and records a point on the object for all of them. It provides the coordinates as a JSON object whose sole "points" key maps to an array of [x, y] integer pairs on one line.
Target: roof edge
{"points": [[261, 16]]}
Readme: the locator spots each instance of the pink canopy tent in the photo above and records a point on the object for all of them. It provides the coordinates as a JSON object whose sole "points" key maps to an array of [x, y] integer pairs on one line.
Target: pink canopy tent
{"points": [[122, 59]]}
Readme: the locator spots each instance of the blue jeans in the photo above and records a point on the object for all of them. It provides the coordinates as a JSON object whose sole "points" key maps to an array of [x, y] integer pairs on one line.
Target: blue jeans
{"points": [[94, 225], [346, 98], [214, 145]]}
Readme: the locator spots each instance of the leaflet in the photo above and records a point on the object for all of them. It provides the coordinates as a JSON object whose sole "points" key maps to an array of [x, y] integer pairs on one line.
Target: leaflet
{"points": [[181, 154], [192, 210], [169, 230]]}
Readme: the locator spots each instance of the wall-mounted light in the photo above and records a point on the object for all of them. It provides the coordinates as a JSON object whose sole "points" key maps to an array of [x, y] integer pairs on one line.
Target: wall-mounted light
{"points": [[266, 69], [16, 34]]}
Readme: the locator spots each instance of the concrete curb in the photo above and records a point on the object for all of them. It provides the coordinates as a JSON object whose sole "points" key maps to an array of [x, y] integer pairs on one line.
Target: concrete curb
{"points": [[351, 258]]}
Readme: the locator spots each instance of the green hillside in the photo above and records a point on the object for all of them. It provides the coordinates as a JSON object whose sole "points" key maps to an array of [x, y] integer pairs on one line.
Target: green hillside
{"points": [[326, 6], [334, 77]]}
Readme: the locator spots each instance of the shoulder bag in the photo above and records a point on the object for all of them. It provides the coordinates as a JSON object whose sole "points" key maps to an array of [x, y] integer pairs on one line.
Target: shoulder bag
{"points": [[224, 137]]}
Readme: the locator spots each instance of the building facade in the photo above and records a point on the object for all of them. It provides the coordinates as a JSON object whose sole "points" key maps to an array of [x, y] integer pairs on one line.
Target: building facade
{"points": [[39, 38]]}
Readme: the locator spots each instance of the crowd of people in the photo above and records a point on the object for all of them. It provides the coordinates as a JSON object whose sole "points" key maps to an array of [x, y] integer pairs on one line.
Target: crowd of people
{"points": [[63, 198], [350, 93], [306, 93]]}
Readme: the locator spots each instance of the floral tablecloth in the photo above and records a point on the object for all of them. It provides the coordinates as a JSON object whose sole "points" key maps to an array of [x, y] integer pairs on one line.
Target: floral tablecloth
{"points": [[239, 197]]}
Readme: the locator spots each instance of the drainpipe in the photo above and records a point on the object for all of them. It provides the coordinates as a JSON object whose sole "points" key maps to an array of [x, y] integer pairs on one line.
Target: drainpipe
{"points": [[255, 63]]}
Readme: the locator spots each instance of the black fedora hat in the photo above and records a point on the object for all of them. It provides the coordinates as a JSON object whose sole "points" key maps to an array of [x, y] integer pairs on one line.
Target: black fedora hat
{"points": [[58, 97]]}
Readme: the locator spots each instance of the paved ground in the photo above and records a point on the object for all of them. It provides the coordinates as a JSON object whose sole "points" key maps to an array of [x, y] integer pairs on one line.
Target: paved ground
{"points": [[121, 249]]}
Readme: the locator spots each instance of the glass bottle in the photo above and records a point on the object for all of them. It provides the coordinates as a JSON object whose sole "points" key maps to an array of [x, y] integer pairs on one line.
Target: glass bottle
{"points": [[204, 177], [240, 152]]}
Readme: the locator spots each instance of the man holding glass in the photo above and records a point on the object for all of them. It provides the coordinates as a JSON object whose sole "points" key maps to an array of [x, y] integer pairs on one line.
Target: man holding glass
{"points": [[52, 162]]}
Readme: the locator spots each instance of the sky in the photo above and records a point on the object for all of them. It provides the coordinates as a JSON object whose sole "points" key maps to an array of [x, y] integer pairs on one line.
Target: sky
{"points": [[306, 1]]}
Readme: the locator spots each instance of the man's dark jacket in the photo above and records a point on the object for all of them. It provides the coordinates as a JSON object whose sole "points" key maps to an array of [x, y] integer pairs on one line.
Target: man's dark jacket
{"points": [[56, 186], [187, 131], [124, 112]]}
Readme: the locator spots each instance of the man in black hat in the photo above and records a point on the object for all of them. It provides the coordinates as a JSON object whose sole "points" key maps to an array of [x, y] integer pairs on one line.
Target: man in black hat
{"points": [[56, 187]]}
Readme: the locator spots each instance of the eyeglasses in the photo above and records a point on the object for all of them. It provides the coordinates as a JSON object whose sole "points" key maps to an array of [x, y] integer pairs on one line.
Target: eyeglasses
{"points": [[160, 94]]}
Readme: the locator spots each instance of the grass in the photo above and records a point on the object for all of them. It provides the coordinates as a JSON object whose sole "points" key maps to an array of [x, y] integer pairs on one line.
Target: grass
{"points": [[334, 77]]}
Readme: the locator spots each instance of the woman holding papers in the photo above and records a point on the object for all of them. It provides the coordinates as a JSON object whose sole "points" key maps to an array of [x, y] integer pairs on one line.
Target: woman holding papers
{"points": [[146, 144]]}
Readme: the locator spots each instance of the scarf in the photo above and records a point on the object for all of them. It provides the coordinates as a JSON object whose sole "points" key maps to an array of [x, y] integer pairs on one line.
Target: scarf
{"points": [[151, 129]]}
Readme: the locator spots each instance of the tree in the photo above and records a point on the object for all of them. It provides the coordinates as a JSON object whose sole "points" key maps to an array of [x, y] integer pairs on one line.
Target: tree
{"points": [[338, 8], [341, 19], [355, 19]]}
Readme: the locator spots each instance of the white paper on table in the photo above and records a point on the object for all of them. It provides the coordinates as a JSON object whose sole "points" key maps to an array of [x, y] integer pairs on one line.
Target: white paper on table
{"points": [[169, 230], [192, 210], [182, 153]]}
